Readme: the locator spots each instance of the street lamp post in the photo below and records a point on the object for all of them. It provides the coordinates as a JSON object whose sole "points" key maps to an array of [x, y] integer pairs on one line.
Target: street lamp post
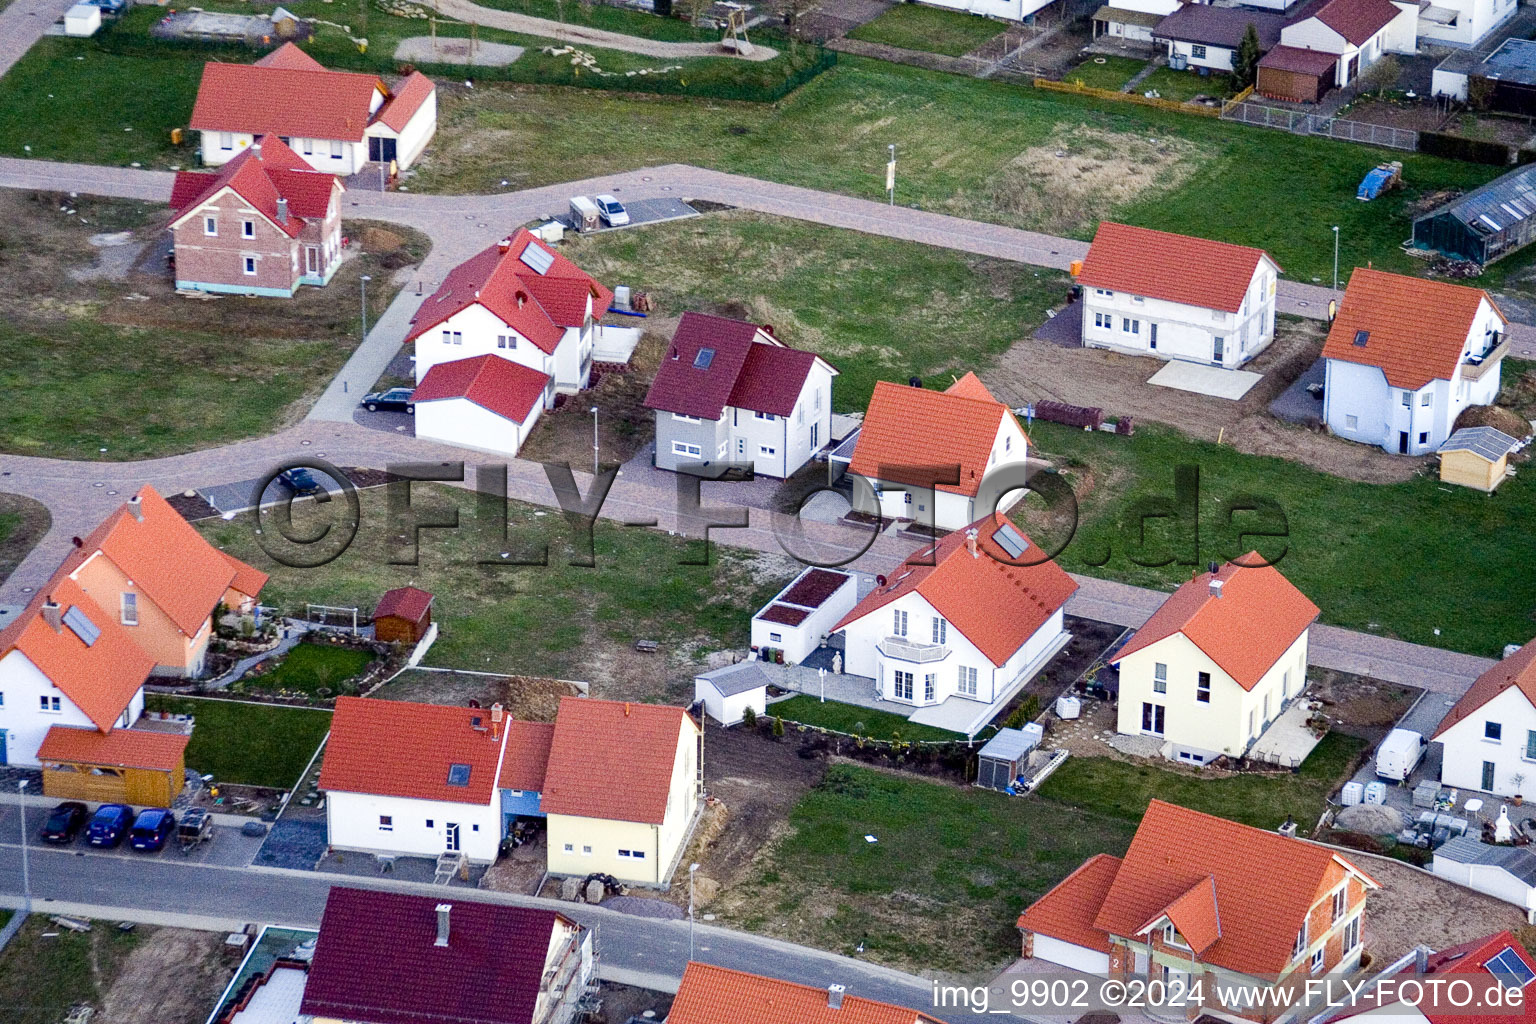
{"points": [[692, 870], [26, 876], [890, 174], [363, 282], [1335, 257], [594, 440]]}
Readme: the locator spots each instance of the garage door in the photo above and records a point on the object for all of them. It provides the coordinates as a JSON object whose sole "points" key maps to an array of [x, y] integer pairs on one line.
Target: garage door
{"points": [[1078, 958]]}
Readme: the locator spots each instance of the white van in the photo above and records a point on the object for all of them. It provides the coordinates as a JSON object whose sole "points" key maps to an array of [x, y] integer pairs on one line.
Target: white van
{"points": [[584, 214], [1399, 754]]}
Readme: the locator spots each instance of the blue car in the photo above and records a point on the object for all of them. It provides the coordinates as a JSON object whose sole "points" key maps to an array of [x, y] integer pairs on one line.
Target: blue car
{"points": [[300, 481], [108, 825], [152, 829]]}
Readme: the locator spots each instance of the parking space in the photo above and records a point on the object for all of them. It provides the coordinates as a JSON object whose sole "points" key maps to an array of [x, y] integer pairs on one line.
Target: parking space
{"points": [[641, 211], [395, 422], [227, 848], [237, 497]]}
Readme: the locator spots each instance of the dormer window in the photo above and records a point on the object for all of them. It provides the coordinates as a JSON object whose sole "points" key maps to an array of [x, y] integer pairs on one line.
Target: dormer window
{"points": [[1171, 936]]}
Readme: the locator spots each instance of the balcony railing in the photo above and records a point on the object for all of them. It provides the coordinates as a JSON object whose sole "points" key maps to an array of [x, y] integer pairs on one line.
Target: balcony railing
{"points": [[1471, 370], [903, 649]]}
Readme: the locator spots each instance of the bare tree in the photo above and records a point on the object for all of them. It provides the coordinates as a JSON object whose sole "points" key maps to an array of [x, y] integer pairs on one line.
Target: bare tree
{"points": [[1380, 76]]}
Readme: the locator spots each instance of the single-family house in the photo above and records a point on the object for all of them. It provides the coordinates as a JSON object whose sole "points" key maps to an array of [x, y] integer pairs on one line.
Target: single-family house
{"points": [[623, 789], [969, 619], [436, 786], [161, 581], [727, 693], [1173, 296], [1405, 356], [486, 402], [1205, 36], [1130, 22], [1489, 735], [1477, 457], [792, 625], [925, 455], [1198, 898], [398, 958], [1463, 22], [712, 995], [518, 299], [1488, 980], [730, 391], [1505, 872], [338, 121], [1326, 44], [1218, 661], [264, 224], [402, 616]]}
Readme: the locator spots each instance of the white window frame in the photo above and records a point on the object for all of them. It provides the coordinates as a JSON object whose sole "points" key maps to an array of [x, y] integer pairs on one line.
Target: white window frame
{"points": [[898, 622], [767, 452], [247, 228], [226, 140], [248, 266], [687, 450], [967, 683], [336, 149], [386, 823], [128, 608], [210, 226], [685, 418], [940, 630]]}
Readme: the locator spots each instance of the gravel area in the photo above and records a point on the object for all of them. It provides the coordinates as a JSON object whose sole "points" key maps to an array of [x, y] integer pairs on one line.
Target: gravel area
{"points": [[1413, 906]]}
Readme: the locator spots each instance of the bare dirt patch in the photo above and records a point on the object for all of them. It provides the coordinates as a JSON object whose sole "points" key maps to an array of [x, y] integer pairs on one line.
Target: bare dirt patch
{"points": [[1033, 370], [1358, 706], [1415, 907], [172, 976], [624, 425], [527, 698]]}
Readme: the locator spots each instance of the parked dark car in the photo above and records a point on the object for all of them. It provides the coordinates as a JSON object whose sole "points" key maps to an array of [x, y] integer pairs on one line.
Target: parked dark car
{"points": [[393, 400], [109, 825], [64, 823], [299, 481], [152, 829]]}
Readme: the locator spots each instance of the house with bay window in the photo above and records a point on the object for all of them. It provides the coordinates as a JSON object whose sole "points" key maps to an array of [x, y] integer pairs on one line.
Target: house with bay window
{"points": [[958, 628], [1490, 733], [1153, 293], [1219, 660], [1198, 898]]}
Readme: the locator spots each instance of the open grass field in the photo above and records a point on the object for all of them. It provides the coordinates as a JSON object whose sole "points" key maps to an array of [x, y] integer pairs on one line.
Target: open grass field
{"points": [[928, 29], [857, 721], [1122, 789], [941, 888], [876, 308], [1349, 546], [559, 620], [1100, 72], [41, 979], [254, 744]]}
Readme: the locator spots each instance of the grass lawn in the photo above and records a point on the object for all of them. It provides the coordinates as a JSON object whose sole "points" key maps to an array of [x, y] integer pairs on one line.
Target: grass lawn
{"points": [[560, 620], [310, 668], [1105, 72], [1185, 85], [1122, 789], [255, 744], [878, 309], [1350, 546], [939, 891], [929, 29], [41, 979], [850, 718], [23, 522]]}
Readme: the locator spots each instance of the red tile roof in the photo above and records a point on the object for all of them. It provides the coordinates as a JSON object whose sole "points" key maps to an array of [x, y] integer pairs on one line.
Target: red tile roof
{"points": [[1417, 329], [376, 960], [498, 385], [1475, 1004], [907, 427], [814, 586], [248, 579], [284, 99], [1067, 912], [409, 603], [408, 98], [1244, 631], [717, 995], [1355, 20], [120, 748], [290, 56], [526, 761], [745, 371], [1265, 883], [101, 678], [538, 306], [1177, 268], [167, 560], [397, 748], [598, 743], [1194, 915], [996, 605], [1293, 58], [263, 174], [1517, 670]]}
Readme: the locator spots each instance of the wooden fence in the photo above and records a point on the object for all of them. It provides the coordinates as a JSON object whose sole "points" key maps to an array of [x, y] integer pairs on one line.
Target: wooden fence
{"points": [[1077, 88]]}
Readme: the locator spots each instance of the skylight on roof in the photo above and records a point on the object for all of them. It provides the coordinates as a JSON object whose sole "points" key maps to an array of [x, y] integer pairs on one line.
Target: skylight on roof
{"points": [[458, 775], [1510, 969], [537, 258], [703, 359], [81, 625], [1011, 540], [1361, 337]]}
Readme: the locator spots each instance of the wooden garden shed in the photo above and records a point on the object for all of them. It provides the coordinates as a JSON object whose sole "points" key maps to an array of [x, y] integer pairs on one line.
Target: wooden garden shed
{"points": [[124, 766], [403, 616], [1296, 75], [1476, 457]]}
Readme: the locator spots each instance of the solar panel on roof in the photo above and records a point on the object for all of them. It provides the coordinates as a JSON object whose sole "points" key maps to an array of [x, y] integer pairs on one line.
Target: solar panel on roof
{"points": [[458, 775], [537, 259], [1010, 540], [81, 625], [703, 359], [1510, 969]]}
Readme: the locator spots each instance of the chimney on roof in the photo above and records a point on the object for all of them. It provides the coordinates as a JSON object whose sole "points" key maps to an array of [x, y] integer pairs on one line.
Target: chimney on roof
{"points": [[282, 210], [496, 717], [1420, 959], [835, 996], [136, 508], [504, 246], [442, 924], [53, 614], [970, 541], [1215, 587], [1289, 828], [626, 709]]}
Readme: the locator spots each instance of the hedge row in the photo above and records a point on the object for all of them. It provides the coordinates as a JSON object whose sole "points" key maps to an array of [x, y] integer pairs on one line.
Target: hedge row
{"points": [[1455, 147]]}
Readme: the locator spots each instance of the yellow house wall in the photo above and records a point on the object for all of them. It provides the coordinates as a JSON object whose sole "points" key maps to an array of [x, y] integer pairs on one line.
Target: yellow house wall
{"points": [[1223, 724], [1469, 470], [155, 633]]}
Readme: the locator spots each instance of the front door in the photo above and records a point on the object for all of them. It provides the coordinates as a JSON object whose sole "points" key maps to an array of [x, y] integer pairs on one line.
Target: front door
{"points": [[1487, 786], [1152, 718], [311, 259], [2, 747], [1218, 352], [1152, 339], [452, 837], [1402, 442]]}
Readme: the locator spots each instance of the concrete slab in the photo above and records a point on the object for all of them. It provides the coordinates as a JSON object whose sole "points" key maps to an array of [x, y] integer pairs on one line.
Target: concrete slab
{"points": [[1206, 380], [446, 50], [1287, 741]]}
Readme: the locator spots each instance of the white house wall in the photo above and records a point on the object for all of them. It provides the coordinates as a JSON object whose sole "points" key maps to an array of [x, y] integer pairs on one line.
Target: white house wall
{"points": [[797, 642], [1466, 748], [728, 710], [353, 823], [1474, 19], [1489, 879], [322, 154], [22, 684], [478, 329], [1183, 331], [461, 422], [1449, 83], [1217, 58], [951, 511], [412, 140]]}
